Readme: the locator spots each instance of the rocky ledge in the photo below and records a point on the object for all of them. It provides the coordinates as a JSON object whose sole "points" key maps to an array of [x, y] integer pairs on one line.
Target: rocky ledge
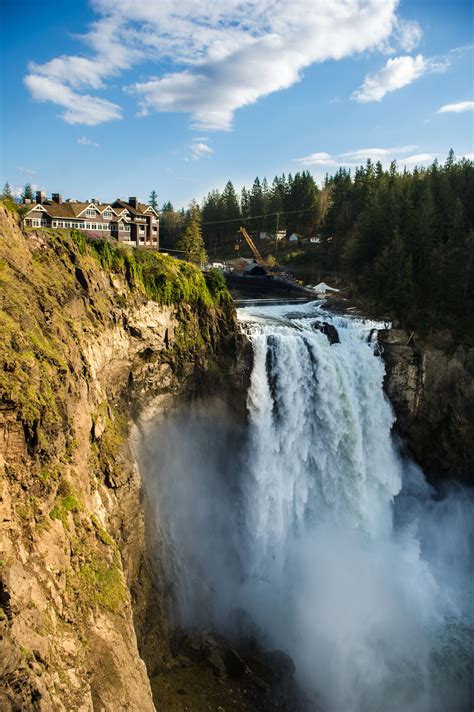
{"points": [[430, 382]]}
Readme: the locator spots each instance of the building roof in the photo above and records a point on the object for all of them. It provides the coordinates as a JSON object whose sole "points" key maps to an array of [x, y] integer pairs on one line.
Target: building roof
{"points": [[74, 209]]}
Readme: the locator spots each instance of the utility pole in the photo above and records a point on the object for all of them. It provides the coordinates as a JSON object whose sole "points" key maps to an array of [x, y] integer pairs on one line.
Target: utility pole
{"points": [[276, 238]]}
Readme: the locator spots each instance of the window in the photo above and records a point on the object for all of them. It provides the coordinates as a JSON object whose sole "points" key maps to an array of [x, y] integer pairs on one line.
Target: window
{"points": [[90, 212], [107, 213]]}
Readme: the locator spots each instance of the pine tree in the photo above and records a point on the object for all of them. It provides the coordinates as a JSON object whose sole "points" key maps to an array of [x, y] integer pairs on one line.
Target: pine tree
{"points": [[154, 199], [245, 203], [191, 242], [230, 202], [7, 191], [27, 193]]}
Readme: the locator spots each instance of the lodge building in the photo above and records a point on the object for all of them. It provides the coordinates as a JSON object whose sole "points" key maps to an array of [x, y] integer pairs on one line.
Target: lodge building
{"points": [[131, 222]]}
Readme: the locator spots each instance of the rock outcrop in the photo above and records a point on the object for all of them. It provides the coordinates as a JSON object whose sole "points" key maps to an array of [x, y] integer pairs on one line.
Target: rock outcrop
{"points": [[430, 382], [83, 351]]}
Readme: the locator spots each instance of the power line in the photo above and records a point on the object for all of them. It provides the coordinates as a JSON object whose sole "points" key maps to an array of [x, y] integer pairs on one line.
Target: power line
{"points": [[256, 217]]}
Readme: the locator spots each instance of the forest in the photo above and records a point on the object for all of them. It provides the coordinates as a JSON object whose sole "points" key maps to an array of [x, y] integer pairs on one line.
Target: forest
{"points": [[403, 240]]}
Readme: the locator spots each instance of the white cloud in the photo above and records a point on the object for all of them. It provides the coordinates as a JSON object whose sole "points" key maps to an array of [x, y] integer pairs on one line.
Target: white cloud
{"points": [[221, 55], [80, 108], [376, 154], [200, 150], [29, 172], [396, 74], [354, 158], [408, 33], [457, 107], [419, 159], [84, 141]]}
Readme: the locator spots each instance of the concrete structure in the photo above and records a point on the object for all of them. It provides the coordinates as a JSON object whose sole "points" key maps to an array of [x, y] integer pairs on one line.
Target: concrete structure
{"points": [[130, 222]]}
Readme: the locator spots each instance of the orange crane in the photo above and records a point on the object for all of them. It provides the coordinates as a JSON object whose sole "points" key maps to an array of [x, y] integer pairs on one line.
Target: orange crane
{"points": [[253, 247]]}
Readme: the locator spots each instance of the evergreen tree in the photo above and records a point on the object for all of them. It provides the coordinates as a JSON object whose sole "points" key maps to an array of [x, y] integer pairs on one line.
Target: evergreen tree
{"points": [[230, 202], [154, 199], [171, 225], [27, 193], [256, 205], [212, 215], [7, 191], [191, 242], [245, 203]]}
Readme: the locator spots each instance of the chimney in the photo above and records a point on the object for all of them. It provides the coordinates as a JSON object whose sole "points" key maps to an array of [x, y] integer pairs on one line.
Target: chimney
{"points": [[56, 198], [133, 202], [40, 197]]}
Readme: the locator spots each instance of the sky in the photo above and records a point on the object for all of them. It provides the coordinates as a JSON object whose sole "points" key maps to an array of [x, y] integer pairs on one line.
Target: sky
{"points": [[112, 98]]}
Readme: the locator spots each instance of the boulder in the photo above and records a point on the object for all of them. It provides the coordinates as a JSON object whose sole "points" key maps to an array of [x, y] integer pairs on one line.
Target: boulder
{"points": [[329, 330]]}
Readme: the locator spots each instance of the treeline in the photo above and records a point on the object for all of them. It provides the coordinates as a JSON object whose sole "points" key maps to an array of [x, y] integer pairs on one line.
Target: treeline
{"points": [[405, 240], [290, 203]]}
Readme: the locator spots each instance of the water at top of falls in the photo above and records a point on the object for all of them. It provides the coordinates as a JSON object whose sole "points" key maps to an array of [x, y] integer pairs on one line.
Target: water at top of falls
{"points": [[312, 523]]}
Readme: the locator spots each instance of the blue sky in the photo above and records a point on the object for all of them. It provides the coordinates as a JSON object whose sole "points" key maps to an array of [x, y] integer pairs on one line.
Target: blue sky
{"points": [[107, 98]]}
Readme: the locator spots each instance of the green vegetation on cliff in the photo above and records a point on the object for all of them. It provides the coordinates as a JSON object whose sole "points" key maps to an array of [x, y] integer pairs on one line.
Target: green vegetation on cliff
{"points": [[162, 278], [47, 279]]}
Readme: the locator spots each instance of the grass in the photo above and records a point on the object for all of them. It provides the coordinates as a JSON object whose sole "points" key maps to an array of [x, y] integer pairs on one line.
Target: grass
{"points": [[102, 582], [66, 501], [163, 279]]}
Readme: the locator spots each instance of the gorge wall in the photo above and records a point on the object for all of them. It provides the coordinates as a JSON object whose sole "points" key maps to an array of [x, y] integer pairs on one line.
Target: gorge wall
{"points": [[83, 351], [430, 382], [91, 352]]}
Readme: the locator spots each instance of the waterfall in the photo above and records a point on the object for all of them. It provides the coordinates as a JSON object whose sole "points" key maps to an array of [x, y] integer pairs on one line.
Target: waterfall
{"points": [[328, 539]]}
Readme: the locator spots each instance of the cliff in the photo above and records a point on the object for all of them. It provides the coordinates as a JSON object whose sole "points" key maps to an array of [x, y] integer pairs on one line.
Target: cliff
{"points": [[91, 336], [430, 382]]}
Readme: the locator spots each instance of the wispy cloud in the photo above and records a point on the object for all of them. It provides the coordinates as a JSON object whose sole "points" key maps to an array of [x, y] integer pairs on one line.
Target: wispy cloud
{"points": [[80, 108], [409, 34], [84, 141], [223, 56], [200, 150], [354, 158], [28, 172], [457, 107], [397, 73]]}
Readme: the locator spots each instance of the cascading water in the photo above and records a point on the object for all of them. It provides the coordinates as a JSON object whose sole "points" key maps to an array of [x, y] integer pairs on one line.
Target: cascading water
{"points": [[331, 542]]}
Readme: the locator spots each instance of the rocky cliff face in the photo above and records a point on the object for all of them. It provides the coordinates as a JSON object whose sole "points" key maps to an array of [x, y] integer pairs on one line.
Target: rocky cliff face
{"points": [[83, 351], [430, 382]]}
